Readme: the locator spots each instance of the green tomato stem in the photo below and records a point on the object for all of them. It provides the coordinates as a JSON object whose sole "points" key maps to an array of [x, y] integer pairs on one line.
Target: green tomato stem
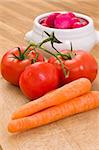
{"points": [[62, 65], [26, 49], [45, 41]]}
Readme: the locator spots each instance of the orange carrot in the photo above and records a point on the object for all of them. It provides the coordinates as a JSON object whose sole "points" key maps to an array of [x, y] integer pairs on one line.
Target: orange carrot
{"points": [[58, 96], [80, 104]]}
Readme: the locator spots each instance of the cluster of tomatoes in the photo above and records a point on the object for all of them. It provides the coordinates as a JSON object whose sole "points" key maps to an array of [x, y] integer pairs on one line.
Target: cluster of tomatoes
{"points": [[28, 69]]}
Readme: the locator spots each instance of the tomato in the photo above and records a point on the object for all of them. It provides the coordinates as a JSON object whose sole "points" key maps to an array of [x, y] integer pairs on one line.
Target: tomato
{"points": [[82, 64], [38, 79], [12, 65]]}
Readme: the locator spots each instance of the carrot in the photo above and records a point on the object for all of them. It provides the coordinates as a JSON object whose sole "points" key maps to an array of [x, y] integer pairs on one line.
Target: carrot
{"points": [[58, 96], [80, 104]]}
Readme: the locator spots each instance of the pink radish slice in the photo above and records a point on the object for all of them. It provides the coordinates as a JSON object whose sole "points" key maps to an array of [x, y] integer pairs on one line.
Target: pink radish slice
{"points": [[50, 19], [62, 22], [75, 19], [83, 21], [43, 22], [77, 25], [70, 14]]}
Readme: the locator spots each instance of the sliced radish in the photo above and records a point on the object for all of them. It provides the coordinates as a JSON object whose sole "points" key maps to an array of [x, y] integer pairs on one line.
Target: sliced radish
{"points": [[70, 14], [77, 25], [43, 22], [50, 19], [85, 22], [62, 22], [74, 19]]}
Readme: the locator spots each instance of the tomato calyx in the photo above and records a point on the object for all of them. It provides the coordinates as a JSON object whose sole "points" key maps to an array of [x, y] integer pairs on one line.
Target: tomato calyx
{"points": [[69, 55], [23, 55]]}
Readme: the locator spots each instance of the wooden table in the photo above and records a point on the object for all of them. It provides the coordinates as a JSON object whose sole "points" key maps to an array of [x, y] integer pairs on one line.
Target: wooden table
{"points": [[80, 132]]}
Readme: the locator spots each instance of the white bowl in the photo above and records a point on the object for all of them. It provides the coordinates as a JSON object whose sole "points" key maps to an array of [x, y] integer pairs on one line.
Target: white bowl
{"points": [[82, 38]]}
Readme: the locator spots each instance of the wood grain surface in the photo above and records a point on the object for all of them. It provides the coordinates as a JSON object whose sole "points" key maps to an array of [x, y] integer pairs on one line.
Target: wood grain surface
{"points": [[79, 132]]}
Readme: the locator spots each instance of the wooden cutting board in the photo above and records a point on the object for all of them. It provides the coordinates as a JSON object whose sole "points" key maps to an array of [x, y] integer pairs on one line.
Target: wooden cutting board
{"points": [[79, 132]]}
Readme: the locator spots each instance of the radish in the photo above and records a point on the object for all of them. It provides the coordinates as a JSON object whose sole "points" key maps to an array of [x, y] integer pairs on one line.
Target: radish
{"points": [[62, 22], [43, 22], [50, 19], [85, 23], [70, 15], [74, 19], [77, 25]]}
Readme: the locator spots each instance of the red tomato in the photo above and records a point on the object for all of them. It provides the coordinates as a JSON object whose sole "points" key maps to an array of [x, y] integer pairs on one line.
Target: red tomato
{"points": [[38, 79], [11, 67], [82, 64]]}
